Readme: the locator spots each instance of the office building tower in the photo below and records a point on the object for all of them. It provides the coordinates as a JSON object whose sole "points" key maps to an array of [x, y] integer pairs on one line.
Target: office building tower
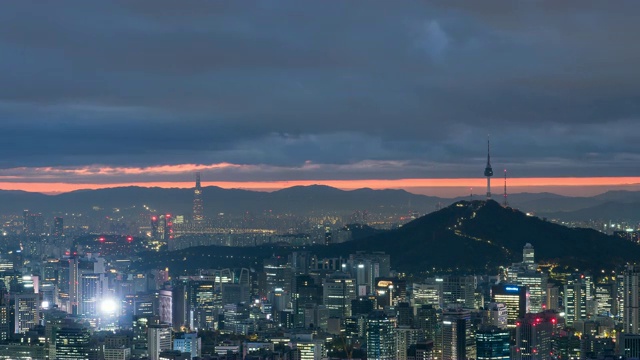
{"points": [[629, 346], [188, 343], [26, 311], [458, 290], [92, 291], [457, 336], [427, 320], [380, 336], [533, 337], [198, 208], [363, 305], [536, 284], [158, 340], [155, 222], [406, 337], [528, 254], [366, 267], [429, 293], [404, 314], [168, 228], [338, 291], [514, 297], [493, 343], [496, 315], [165, 306], [73, 285], [58, 227], [578, 292], [605, 293], [390, 291], [73, 342], [277, 274], [631, 299], [305, 292]]}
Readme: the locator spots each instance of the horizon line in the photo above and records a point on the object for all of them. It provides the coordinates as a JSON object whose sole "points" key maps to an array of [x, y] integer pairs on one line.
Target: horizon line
{"points": [[413, 185]]}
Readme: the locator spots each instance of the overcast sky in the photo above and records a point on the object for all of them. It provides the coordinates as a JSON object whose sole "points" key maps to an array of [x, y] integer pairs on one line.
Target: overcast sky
{"points": [[91, 91]]}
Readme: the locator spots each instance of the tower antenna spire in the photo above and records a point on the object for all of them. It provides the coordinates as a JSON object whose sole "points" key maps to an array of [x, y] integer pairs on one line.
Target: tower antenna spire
{"points": [[488, 171], [505, 203]]}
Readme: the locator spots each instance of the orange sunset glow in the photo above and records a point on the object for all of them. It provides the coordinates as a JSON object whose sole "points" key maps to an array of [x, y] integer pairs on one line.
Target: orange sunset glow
{"points": [[453, 187]]}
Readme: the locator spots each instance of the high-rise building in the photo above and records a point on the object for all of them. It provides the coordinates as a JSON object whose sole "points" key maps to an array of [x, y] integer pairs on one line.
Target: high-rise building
{"points": [[578, 292], [72, 342], [159, 340], [58, 227], [380, 336], [528, 254], [427, 320], [338, 291], [26, 311], [533, 337], [390, 291], [493, 343], [515, 298], [496, 315], [198, 209], [428, 293], [155, 222], [73, 287], [406, 337], [92, 289], [631, 299], [457, 337], [305, 292], [188, 343], [458, 290], [168, 228]]}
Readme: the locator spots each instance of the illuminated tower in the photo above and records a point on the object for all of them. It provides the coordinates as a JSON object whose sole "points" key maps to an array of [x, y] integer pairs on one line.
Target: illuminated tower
{"points": [[505, 203], [197, 201], [488, 171]]}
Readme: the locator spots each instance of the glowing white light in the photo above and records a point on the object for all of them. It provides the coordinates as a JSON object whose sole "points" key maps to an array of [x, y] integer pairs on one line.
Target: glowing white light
{"points": [[45, 304], [109, 306]]}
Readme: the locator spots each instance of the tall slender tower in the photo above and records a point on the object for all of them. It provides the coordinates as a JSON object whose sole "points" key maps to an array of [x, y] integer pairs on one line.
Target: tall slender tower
{"points": [[505, 203], [198, 217], [488, 171]]}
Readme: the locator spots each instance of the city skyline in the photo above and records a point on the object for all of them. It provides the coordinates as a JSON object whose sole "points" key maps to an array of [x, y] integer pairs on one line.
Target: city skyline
{"points": [[263, 95]]}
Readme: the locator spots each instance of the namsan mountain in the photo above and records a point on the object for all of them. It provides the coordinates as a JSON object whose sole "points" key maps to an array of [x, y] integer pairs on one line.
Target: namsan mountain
{"points": [[465, 237]]}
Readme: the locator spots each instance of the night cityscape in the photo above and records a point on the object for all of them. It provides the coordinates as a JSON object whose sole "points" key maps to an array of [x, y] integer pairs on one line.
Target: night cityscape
{"points": [[308, 180]]}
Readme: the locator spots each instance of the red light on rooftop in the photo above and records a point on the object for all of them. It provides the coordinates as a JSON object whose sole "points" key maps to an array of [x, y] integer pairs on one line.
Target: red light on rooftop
{"points": [[554, 320], [129, 238], [101, 239], [154, 218]]}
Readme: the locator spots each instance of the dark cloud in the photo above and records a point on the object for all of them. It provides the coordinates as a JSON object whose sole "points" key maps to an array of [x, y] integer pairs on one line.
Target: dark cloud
{"points": [[281, 84]]}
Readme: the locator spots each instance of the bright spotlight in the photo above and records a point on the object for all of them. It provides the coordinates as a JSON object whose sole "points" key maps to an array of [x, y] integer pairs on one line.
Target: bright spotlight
{"points": [[109, 306], [45, 304]]}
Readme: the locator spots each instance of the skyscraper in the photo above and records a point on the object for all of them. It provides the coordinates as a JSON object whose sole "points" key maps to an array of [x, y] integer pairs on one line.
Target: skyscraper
{"points": [[631, 299], [198, 208], [159, 340], [515, 297], [533, 336], [488, 171], [492, 343], [458, 341], [381, 339]]}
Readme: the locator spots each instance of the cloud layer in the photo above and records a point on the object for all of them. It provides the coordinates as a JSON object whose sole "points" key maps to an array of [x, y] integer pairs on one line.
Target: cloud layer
{"points": [[317, 90]]}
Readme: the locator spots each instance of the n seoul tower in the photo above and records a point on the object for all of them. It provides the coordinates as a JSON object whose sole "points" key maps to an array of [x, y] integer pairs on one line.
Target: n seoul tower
{"points": [[488, 171]]}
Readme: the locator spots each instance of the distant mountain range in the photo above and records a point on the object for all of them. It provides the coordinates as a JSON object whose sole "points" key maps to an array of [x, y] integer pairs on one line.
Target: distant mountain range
{"points": [[468, 237], [614, 205]]}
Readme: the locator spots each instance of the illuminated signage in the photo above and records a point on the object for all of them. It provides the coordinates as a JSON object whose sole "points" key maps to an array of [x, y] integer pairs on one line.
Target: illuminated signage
{"points": [[511, 288]]}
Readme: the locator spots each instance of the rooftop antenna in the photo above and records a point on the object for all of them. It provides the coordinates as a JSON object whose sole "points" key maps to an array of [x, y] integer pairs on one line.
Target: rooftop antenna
{"points": [[471, 194], [505, 203], [488, 171]]}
